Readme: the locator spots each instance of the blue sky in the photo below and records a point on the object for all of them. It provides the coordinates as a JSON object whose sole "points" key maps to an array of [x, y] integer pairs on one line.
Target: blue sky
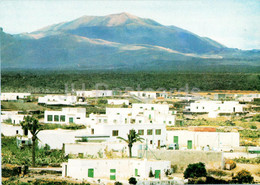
{"points": [[234, 23]]}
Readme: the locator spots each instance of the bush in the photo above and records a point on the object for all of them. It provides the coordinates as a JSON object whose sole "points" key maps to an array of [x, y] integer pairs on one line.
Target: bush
{"points": [[195, 170], [218, 173], [118, 183], [132, 180], [244, 176], [247, 161]]}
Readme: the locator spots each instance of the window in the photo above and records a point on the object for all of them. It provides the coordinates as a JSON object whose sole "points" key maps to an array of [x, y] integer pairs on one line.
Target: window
{"points": [[140, 121], [158, 131], [56, 118], [170, 122], [114, 121], [99, 120], [141, 132], [197, 107], [114, 132], [202, 107], [164, 121], [152, 108], [151, 141], [105, 120], [78, 117], [92, 131], [151, 121], [125, 120], [62, 118], [150, 132], [118, 113], [50, 118]]}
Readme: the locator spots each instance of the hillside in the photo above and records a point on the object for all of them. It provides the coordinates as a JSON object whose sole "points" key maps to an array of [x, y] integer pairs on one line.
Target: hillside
{"points": [[119, 41]]}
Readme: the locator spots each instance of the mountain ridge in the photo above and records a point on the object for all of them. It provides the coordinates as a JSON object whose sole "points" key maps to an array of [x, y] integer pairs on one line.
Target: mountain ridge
{"points": [[117, 41]]}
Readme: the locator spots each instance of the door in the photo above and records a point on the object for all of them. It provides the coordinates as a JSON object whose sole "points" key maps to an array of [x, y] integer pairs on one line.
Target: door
{"points": [[112, 174], [71, 120], [157, 174], [176, 139], [91, 172], [159, 143], [136, 172], [189, 144]]}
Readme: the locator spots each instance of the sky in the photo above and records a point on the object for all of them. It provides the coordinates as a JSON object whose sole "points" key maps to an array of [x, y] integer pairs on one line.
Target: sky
{"points": [[233, 23]]}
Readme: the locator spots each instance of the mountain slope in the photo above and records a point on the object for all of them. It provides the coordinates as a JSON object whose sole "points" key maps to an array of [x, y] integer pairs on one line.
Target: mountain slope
{"points": [[129, 29], [119, 41]]}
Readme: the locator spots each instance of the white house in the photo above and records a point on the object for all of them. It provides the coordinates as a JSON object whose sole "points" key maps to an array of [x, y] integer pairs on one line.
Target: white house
{"points": [[248, 97], [114, 169], [215, 107], [94, 93], [117, 102], [13, 116], [98, 149], [14, 96], [66, 116], [197, 140], [57, 100], [153, 134], [149, 94], [138, 114]]}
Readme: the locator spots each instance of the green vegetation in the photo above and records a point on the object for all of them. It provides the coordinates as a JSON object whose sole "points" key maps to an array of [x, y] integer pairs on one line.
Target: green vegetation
{"points": [[32, 124], [244, 176], [250, 133], [21, 106], [247, 161], [55, 81], [71, 126], [195, 170], [11, 154]]}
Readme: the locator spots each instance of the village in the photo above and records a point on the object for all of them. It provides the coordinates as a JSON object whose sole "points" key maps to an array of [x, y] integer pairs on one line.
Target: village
{"points": [[135, 137]]}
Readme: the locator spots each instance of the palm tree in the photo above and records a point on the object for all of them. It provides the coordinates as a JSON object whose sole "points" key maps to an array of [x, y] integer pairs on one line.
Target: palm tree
{"points": [[32, 124], [132, 138]]}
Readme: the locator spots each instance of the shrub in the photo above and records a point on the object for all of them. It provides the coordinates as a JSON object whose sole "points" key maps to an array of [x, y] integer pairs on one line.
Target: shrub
{"points": [[118, 183], [132, 180], [195, 170], [244, 176]]}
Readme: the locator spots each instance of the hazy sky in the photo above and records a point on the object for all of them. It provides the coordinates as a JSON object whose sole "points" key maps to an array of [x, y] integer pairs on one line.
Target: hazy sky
{"points": [[234, 23]]}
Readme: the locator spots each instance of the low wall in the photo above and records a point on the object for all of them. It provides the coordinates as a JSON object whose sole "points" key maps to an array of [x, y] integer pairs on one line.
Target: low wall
{"points": [[182, 158]]}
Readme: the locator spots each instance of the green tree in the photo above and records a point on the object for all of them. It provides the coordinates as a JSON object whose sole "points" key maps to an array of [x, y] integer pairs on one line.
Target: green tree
{"points": [[132, 137], [132, 180], [244, 176], [195, 170], [32, 124]]}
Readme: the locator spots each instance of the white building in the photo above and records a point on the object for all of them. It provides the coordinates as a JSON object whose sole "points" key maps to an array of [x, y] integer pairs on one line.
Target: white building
{"points": [[95, 93], [248, 97], [13, 116], [66, 116], [14, 96], [153, 134], [97, 149], [114, 169], [117, 102], [57, 100], [149, 94], [215, 107], [197, 140], [138, 114]]}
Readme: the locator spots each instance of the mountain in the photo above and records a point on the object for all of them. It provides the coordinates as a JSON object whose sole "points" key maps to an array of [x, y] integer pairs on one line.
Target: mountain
{"points": [[118, 41], [129, 29]]}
